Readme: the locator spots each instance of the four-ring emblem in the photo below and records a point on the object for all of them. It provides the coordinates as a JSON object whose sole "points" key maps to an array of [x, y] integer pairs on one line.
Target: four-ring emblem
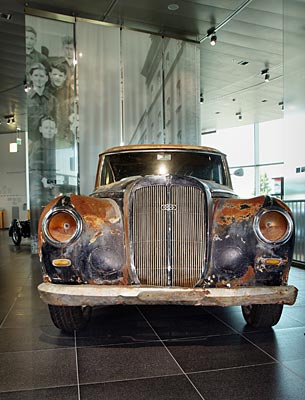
{"points": [[169, 207]]}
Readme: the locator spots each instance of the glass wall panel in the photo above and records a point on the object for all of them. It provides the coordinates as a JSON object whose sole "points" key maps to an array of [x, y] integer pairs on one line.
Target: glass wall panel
{"points": [[181, 91], [98, 51], [142, 88], [237, 143], [271, 180], [161, 89], [271, 141], [51, 105]]}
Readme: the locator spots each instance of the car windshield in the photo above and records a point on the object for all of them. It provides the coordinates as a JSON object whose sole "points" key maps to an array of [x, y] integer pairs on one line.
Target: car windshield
{"points": [[200, 165]]}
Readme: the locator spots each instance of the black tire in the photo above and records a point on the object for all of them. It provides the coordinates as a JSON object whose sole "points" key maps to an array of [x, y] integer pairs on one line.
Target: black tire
{"points": [[16, 235], [262, 315], [70, 319]]}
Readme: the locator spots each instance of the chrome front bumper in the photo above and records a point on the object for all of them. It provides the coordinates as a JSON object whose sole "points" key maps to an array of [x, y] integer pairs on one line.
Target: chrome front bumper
{"points": [[97, 295]]}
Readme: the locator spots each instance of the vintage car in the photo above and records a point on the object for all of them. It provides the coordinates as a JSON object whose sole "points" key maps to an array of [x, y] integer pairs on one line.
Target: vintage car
{"points": [[163, 226]]}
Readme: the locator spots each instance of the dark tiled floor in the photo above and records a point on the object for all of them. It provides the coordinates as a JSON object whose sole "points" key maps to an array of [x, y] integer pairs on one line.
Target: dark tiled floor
{"points": [[135, 353]]}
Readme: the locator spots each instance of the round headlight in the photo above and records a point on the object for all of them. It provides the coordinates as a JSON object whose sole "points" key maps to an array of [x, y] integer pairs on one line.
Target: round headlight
{"points": [[61, 226], [273, 226]]}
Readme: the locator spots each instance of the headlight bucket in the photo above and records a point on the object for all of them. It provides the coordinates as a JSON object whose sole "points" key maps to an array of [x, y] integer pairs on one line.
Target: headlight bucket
{"points": [[273, 226], [61, 226]]}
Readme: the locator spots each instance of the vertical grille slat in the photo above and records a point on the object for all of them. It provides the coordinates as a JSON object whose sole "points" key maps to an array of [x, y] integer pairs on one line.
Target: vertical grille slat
{"points": [[161, 236]]}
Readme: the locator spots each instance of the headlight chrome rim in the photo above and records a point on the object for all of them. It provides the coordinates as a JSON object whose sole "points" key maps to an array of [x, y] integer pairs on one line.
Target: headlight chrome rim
{"points": [[259, 233], [45, 226]]}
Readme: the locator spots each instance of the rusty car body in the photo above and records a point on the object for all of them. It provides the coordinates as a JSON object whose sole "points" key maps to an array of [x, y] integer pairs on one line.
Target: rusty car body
{"points": [[164, 226]]}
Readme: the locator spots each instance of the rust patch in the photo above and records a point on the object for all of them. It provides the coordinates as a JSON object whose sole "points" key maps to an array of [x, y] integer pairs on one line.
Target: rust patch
{"points": [[46, 279], [116, 232], [285, 275], [93, 221], [247, 279], [96, 212], [236, 210], [96, 235]]}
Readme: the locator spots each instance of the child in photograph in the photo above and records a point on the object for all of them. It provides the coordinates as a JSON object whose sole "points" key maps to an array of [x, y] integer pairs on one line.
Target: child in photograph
{"points": [[42, 169], [40, 101], [60, 88], [33, 56], [42, 159], [58, 80]]}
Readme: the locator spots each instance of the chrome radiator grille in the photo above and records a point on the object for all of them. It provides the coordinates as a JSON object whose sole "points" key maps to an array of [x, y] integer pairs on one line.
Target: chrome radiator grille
{"points": [[168, 234]]}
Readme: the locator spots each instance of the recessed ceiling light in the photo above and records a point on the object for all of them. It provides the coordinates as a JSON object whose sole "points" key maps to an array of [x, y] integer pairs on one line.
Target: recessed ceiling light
{"points": [[243, 63], [173, 7]]}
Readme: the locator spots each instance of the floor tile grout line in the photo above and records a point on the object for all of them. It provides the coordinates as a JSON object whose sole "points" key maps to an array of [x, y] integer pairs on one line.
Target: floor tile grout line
{"points": [[259, 348], [243, 336], [34, 389], [77, 369], [179, 366], [230, 368], [132, 379], [8, 313]]}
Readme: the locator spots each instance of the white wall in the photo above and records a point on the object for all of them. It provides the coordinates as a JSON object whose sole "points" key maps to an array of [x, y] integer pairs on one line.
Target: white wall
{"points": [[12, 178]]}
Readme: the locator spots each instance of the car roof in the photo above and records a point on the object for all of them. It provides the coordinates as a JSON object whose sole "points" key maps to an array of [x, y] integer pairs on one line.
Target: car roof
{"points": [[159, 147]]}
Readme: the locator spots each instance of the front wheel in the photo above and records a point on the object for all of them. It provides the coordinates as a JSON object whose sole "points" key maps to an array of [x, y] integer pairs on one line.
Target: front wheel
{"points": [[68, 318], [16, 235], [262, 315]]}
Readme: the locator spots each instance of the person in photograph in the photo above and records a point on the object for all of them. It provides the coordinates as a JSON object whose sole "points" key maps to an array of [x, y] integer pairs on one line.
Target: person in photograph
{"points": [[42, 159], [33, 56], [67, 58], [39, 100], [59, 86], [42, 169]]}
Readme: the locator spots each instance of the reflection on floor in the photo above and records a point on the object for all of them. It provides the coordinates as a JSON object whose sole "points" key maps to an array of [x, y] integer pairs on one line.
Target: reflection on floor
{"points": [[150, 353]]}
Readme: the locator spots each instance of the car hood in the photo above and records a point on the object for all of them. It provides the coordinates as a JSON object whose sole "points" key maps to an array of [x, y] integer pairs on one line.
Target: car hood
{"points": [[118, 188]]}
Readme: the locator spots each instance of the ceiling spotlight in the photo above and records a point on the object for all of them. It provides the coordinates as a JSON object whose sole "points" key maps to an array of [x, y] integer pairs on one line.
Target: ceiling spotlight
{"points": [[265, 72], [10, 119], [213, 40], [212, 33], [5, 16], [238, 114]]}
